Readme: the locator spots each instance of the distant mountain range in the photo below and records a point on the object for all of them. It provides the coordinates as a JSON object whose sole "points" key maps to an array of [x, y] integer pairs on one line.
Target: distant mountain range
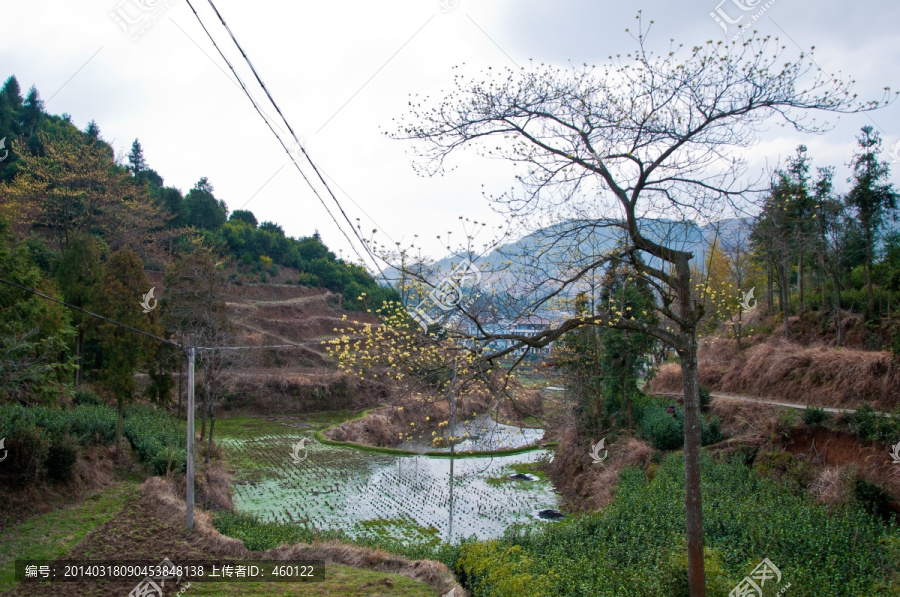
{"points": [[590, 238], [550, 251]]}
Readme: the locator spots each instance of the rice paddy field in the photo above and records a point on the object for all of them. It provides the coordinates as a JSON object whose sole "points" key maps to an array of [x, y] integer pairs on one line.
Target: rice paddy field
{"points": [[366, 493]]}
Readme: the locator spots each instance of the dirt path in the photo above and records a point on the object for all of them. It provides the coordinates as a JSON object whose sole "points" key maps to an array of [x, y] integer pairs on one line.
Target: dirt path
{"points": [[770, 402], [134, 533]]}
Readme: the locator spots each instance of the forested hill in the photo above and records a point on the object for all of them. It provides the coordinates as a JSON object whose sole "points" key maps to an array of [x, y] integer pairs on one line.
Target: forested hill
{"points": [[59, 184]]}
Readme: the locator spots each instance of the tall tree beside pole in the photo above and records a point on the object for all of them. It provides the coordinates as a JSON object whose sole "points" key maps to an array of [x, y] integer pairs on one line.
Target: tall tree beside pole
{"points": [[189, 480]]}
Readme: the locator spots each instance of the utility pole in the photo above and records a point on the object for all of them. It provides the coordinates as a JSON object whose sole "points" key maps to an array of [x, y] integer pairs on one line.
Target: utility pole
{"points": [[452, 446], [189, 480], [453, 409]]}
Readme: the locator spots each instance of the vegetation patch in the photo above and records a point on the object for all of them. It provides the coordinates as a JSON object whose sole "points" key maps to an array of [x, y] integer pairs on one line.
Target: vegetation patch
{"points": [[631, 547], [51, 536]]}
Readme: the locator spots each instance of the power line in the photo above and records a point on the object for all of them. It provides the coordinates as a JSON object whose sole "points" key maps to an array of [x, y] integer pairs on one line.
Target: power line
{"points": [[269, 124], [169, 342], [65, 304], [291, 130]]}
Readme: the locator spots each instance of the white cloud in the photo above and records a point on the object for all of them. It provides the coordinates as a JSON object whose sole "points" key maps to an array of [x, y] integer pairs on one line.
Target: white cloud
{"points": [[193, 121]]}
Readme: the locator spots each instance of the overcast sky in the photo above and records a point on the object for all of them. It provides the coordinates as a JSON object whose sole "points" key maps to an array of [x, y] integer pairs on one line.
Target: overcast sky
{"points": [[341, 71]]}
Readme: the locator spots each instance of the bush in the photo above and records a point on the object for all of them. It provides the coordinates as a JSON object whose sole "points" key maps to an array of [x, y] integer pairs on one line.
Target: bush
{"points": [[711, 431], [662, 430], [33, 433], [156, 438], [666, 432], [705, 396], [61, 458], [813, 415], [492, 569], [28, 447], [84, 396], [634, 546], [873, 498], [787, 420], [869, 425], [309, 280]]}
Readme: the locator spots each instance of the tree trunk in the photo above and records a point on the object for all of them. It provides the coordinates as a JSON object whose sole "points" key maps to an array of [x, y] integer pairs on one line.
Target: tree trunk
{"points": [[180, 387], [79, 351], [212, 424], [770, 299], [800, 282], [203, 424], [784, 298], [692, 500], [119, 425], [837, 314], [869, 275]]}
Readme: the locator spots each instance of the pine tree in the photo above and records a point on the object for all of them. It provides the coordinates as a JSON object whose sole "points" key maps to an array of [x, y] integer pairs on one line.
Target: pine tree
{"points": [[136, 161], [31, 112], [872, 197], [123, 284]]}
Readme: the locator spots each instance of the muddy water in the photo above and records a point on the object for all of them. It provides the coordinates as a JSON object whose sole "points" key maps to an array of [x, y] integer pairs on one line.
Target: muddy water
{"points": [[404, 497]]}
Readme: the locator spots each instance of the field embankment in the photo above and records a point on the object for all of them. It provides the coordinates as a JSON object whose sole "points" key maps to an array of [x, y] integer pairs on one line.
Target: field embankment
{"points": [[818, 375]]}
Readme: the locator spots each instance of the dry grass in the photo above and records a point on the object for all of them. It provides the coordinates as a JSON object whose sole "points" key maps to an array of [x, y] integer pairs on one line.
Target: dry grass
{"points": [[212, 487], [746, 422], [158, 497], [276, 390], [383, 427], [586, 486], [94, 470], [832, 485], [666, 380], [819, 375]]}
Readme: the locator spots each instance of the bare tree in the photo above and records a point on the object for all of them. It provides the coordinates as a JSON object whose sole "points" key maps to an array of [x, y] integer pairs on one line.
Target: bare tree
{"points": [[214, 360], [195, 306], [646, 136], [739, 258]]}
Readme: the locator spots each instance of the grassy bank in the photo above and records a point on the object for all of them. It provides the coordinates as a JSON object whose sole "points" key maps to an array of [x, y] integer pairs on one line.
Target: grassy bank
{"points": [[51, 536]]}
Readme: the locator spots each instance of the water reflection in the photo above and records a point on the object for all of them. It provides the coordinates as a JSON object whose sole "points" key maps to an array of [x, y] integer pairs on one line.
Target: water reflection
{"points": [[401, 496]]}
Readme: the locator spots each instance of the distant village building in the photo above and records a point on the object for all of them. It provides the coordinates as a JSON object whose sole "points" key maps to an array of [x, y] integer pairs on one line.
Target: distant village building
{"points": [[525, 326]]}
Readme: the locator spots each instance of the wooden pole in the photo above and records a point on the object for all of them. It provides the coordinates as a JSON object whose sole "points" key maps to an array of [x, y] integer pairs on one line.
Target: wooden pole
{"points": [[189, 480]]}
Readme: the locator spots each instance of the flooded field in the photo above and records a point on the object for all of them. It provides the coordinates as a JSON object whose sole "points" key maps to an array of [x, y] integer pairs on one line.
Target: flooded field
{"points": [[485, 435], [363, 493]]}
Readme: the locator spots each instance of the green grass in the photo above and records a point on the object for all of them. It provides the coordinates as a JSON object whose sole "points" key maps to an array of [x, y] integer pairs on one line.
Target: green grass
{"points": [[51, 536], [337, 581], [530, 468]]}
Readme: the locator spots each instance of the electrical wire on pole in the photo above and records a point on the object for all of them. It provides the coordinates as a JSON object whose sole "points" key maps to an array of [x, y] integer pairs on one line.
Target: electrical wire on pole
{"points": [[281, 141]]}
